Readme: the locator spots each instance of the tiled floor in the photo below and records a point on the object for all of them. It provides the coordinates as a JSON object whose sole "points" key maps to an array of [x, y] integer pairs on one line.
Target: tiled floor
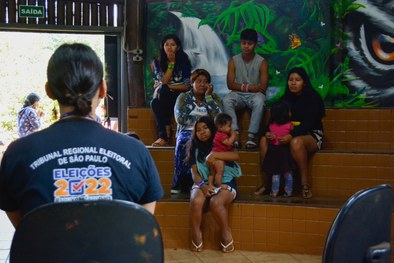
{"points": [[210, 256], [180, 255]]}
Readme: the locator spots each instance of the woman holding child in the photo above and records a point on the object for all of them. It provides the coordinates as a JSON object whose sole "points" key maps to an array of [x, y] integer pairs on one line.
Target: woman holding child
{"points": [[307, 108], [203, 194]]}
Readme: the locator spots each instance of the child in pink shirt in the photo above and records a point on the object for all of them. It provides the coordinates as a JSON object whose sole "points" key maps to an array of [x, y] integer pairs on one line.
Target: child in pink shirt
{"points": [[278, 160], [222, 142]]}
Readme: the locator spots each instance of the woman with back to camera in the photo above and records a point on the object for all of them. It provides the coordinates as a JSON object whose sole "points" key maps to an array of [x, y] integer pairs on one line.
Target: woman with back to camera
{"points": [[76, 158], [172, 69], [307, 108]]}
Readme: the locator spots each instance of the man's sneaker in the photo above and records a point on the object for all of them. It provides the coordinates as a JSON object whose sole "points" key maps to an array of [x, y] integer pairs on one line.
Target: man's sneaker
{"points": [[175, 191], [236, 145], [250, 144]]}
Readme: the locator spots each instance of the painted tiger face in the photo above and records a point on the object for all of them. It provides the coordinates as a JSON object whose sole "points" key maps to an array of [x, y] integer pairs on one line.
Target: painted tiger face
{"points": [[371, 50]]}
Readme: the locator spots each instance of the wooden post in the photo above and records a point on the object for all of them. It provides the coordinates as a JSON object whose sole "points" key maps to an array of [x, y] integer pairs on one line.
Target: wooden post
{"points": [[86, 16], [77, 14], [69, 14], [12, 11], [61, 9], [2, 11], [133, 46], [51, 12], [21, 20], [42, 20], [94, 16]]}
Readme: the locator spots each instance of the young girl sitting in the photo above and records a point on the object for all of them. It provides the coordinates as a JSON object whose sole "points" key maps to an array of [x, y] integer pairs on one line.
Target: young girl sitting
{"points": [[202, 196], [278, 159], [222, 142]]}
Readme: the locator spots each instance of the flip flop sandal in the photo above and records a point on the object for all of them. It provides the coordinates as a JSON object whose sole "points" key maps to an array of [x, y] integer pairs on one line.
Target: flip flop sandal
{"points": [[160, 143], [228, 248], [260, 190], [196, 248]]}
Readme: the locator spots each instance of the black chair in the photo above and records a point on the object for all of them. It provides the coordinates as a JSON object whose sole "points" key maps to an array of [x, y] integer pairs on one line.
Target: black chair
{"points": [[97, 231], [361, 230]]}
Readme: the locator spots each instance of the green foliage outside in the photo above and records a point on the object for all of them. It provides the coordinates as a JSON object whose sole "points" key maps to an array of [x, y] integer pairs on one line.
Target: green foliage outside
{"points": [[24, 58]]}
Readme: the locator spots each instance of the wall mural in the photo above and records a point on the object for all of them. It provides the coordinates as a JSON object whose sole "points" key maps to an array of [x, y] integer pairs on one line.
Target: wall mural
{"points": [[345, 45]]}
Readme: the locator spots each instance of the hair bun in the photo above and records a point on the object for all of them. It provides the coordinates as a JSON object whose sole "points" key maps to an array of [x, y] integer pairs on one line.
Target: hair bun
{"points": [[82, 104]]}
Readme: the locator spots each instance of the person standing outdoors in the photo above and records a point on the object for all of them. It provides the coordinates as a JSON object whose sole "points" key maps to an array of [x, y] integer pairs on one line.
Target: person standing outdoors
{"points": [[247, 78], [29, 118]]}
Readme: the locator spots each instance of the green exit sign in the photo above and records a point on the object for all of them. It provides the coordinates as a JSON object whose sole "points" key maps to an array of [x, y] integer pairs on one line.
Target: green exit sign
{"points": [[31, 11]]}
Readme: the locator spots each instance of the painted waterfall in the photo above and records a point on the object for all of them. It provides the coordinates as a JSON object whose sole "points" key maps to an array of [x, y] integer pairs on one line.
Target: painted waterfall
{"points": [[205, 50]]}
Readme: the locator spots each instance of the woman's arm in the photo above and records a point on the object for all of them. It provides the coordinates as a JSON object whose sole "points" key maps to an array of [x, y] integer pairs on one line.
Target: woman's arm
{"points": [[150, 207], [195, 175], [213, 104], [170, 69], [182, 110], [182, 68], [179, 87], [34, 119], [205, 188], [307, 112], [185, 68]]}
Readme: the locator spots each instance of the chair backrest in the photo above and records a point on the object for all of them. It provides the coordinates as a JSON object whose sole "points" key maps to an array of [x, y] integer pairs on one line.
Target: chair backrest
{"points": [[97, 231], [362, 227]]}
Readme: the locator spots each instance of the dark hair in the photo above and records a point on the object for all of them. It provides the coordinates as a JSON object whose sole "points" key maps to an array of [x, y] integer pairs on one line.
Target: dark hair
{"points": [[31, 99], [280, 112], [133, 135], [194, 143], [198, 72], [308, 89], [74, 74], [222, 118], [249, 34], [180, 56], [302, 73]]}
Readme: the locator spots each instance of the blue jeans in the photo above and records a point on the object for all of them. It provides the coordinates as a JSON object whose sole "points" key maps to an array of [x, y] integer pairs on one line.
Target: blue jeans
{"points": [[241, 100]]}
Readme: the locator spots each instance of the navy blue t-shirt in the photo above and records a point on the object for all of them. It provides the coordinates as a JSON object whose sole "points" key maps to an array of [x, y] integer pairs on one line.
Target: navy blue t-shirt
{"points": [[76, 159]]}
